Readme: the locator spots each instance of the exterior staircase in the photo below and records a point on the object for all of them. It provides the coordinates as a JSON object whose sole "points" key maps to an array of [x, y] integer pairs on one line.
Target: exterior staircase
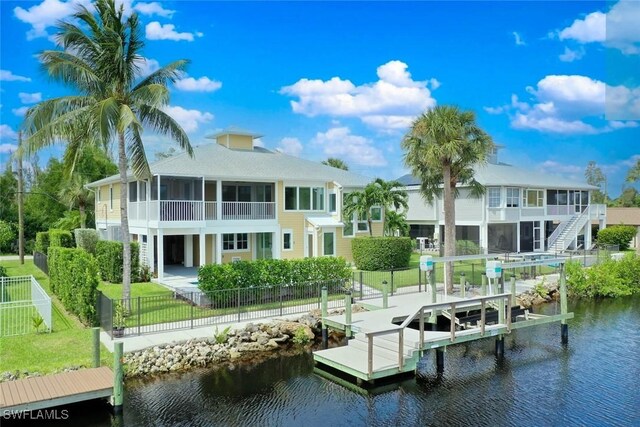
{"points": [[566, 232]]}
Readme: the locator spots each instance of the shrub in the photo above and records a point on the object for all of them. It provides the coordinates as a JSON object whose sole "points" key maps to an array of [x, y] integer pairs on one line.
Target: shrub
{"points": [[109, 256], [60, 239], [7, 236], [73, 275], [3, 271], [467, 247], [300, 336], [271, 272], [381, 253], [86, 238], [608, 279], [620, 235], [42, 242]]}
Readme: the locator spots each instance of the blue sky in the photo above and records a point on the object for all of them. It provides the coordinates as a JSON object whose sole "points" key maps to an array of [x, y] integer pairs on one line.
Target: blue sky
{"points": [[556, 83]]}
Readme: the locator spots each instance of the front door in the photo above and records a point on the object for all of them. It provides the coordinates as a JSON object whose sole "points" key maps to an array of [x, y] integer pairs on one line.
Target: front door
{"points": [[309, 245], [264, 244]]}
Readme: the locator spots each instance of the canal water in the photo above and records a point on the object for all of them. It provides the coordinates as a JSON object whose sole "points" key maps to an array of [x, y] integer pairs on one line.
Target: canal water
{"points": [[594, 381]]}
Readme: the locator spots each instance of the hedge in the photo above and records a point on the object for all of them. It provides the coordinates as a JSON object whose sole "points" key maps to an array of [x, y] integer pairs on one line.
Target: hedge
{"points": [[73, 277], [467, 247], [271, 272], [7, 236], [381, 253], [109, 256], [42, 242], [60, 239], [608, 279], [620, 235], [86, 238]]}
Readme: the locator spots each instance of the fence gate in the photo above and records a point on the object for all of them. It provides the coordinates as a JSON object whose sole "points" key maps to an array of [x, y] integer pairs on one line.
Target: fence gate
{"points": [[24, 306]]}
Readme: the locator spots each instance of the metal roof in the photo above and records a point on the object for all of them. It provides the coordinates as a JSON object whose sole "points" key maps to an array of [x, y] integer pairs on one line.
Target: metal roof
{"points": [[507, 175], [214, 161]]}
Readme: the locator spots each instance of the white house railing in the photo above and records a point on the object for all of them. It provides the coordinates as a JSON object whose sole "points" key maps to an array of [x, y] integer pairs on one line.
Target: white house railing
{"points": [[248, 210], [196, 210], [22, 299]]}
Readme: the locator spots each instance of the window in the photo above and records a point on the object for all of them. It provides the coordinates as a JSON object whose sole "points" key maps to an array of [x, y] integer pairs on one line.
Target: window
{"points": [[533, 198], [99, 194], [513, 197], [332, 202], [494, 197], [304, 198], [376, 213], [347, 231], [111, 197], [143, 191], [328, 243], [287, 240], [552, 197], [133, 191], [290, 198], [363, 224], [235, 242], [318, 199]]}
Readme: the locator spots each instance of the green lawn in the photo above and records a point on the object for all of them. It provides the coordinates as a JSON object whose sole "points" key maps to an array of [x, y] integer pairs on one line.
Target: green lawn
{"points": [[69, 344]]}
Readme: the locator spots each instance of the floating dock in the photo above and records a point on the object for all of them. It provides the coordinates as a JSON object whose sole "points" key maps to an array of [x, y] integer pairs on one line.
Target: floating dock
{"points": [[48, 391]]}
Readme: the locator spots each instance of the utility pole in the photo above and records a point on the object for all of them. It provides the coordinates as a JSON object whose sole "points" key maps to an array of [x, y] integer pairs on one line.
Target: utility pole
{"points": [[20, 203]]}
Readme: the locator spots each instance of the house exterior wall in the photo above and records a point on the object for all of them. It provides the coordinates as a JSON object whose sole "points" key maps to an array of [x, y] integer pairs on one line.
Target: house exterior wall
{"points": [[290, 220], [111, 207], [238, 142]]}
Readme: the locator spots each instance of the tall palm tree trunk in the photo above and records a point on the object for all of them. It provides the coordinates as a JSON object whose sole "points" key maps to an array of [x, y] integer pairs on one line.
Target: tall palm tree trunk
{"points": [[449, 226], [370, 225], [124, 222]]}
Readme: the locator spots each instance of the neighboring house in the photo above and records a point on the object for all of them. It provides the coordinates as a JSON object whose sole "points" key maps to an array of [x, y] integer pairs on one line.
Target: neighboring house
{"points": [[626, 216], [234, 201], [522, 210]]}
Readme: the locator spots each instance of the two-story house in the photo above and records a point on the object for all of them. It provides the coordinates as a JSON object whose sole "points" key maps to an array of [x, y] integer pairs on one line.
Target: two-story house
{"points": [[522, 210], [232, 201]]}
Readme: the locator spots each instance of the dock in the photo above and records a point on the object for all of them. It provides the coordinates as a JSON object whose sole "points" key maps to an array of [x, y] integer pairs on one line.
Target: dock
{"points": [[54, 390], [389, 340]]}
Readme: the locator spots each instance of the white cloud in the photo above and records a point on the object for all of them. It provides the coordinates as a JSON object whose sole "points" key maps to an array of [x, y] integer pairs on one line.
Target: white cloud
{"points": [[389, 103], [258, 142], [46, 14], [153, 8], [156, 31], [8, 76], [188, 119], [553, 167], [518, 39], [7, 133], [340, 142], [570, 55], [617, 29], [30, 98], [573, 104], [291, 146], [203, 84], [20, 112], [7, 148], [147, 66]]}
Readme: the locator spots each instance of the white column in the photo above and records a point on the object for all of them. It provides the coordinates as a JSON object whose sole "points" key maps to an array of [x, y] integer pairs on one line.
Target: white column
{"points": [[201, 241], [543, 232], [188, 250], [204, 207], [277, 244], [150, 255], [218, 248], [160, 254], [518, 236], [218, 205]]}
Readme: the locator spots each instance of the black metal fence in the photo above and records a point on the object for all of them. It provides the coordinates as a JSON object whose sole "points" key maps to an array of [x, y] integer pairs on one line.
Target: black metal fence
{"points": [[188, 310], [40, 260]]}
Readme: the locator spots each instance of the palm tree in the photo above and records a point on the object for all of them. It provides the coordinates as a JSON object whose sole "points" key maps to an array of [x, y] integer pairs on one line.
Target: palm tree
{"points": [[100, 59], [395, 221], [336, 163], [73, 193], [634, 173], [381, 193], [441, 148]]}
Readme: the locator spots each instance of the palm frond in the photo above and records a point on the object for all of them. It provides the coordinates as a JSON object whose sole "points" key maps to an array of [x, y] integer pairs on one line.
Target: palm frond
{"points": [[162, 123], [70, 70], [165, 75], [154, 95], [136, 153]]}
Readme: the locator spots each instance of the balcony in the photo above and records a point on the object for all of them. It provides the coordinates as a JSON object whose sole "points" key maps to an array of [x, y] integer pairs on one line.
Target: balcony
{"points": [[198, 211]]}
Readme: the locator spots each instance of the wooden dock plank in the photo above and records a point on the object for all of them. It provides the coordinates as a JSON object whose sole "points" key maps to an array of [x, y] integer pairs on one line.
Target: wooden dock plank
{"points": [[57, 389]]}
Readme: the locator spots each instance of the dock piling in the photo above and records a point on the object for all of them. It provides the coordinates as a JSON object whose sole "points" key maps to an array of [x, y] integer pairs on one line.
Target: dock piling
{"points": [[325, 313], [118, 378], [463, 285], [347, 314], [500, 346], [564, 328], [385, 294], [483, 287], [513, 290], [439, 360]]}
